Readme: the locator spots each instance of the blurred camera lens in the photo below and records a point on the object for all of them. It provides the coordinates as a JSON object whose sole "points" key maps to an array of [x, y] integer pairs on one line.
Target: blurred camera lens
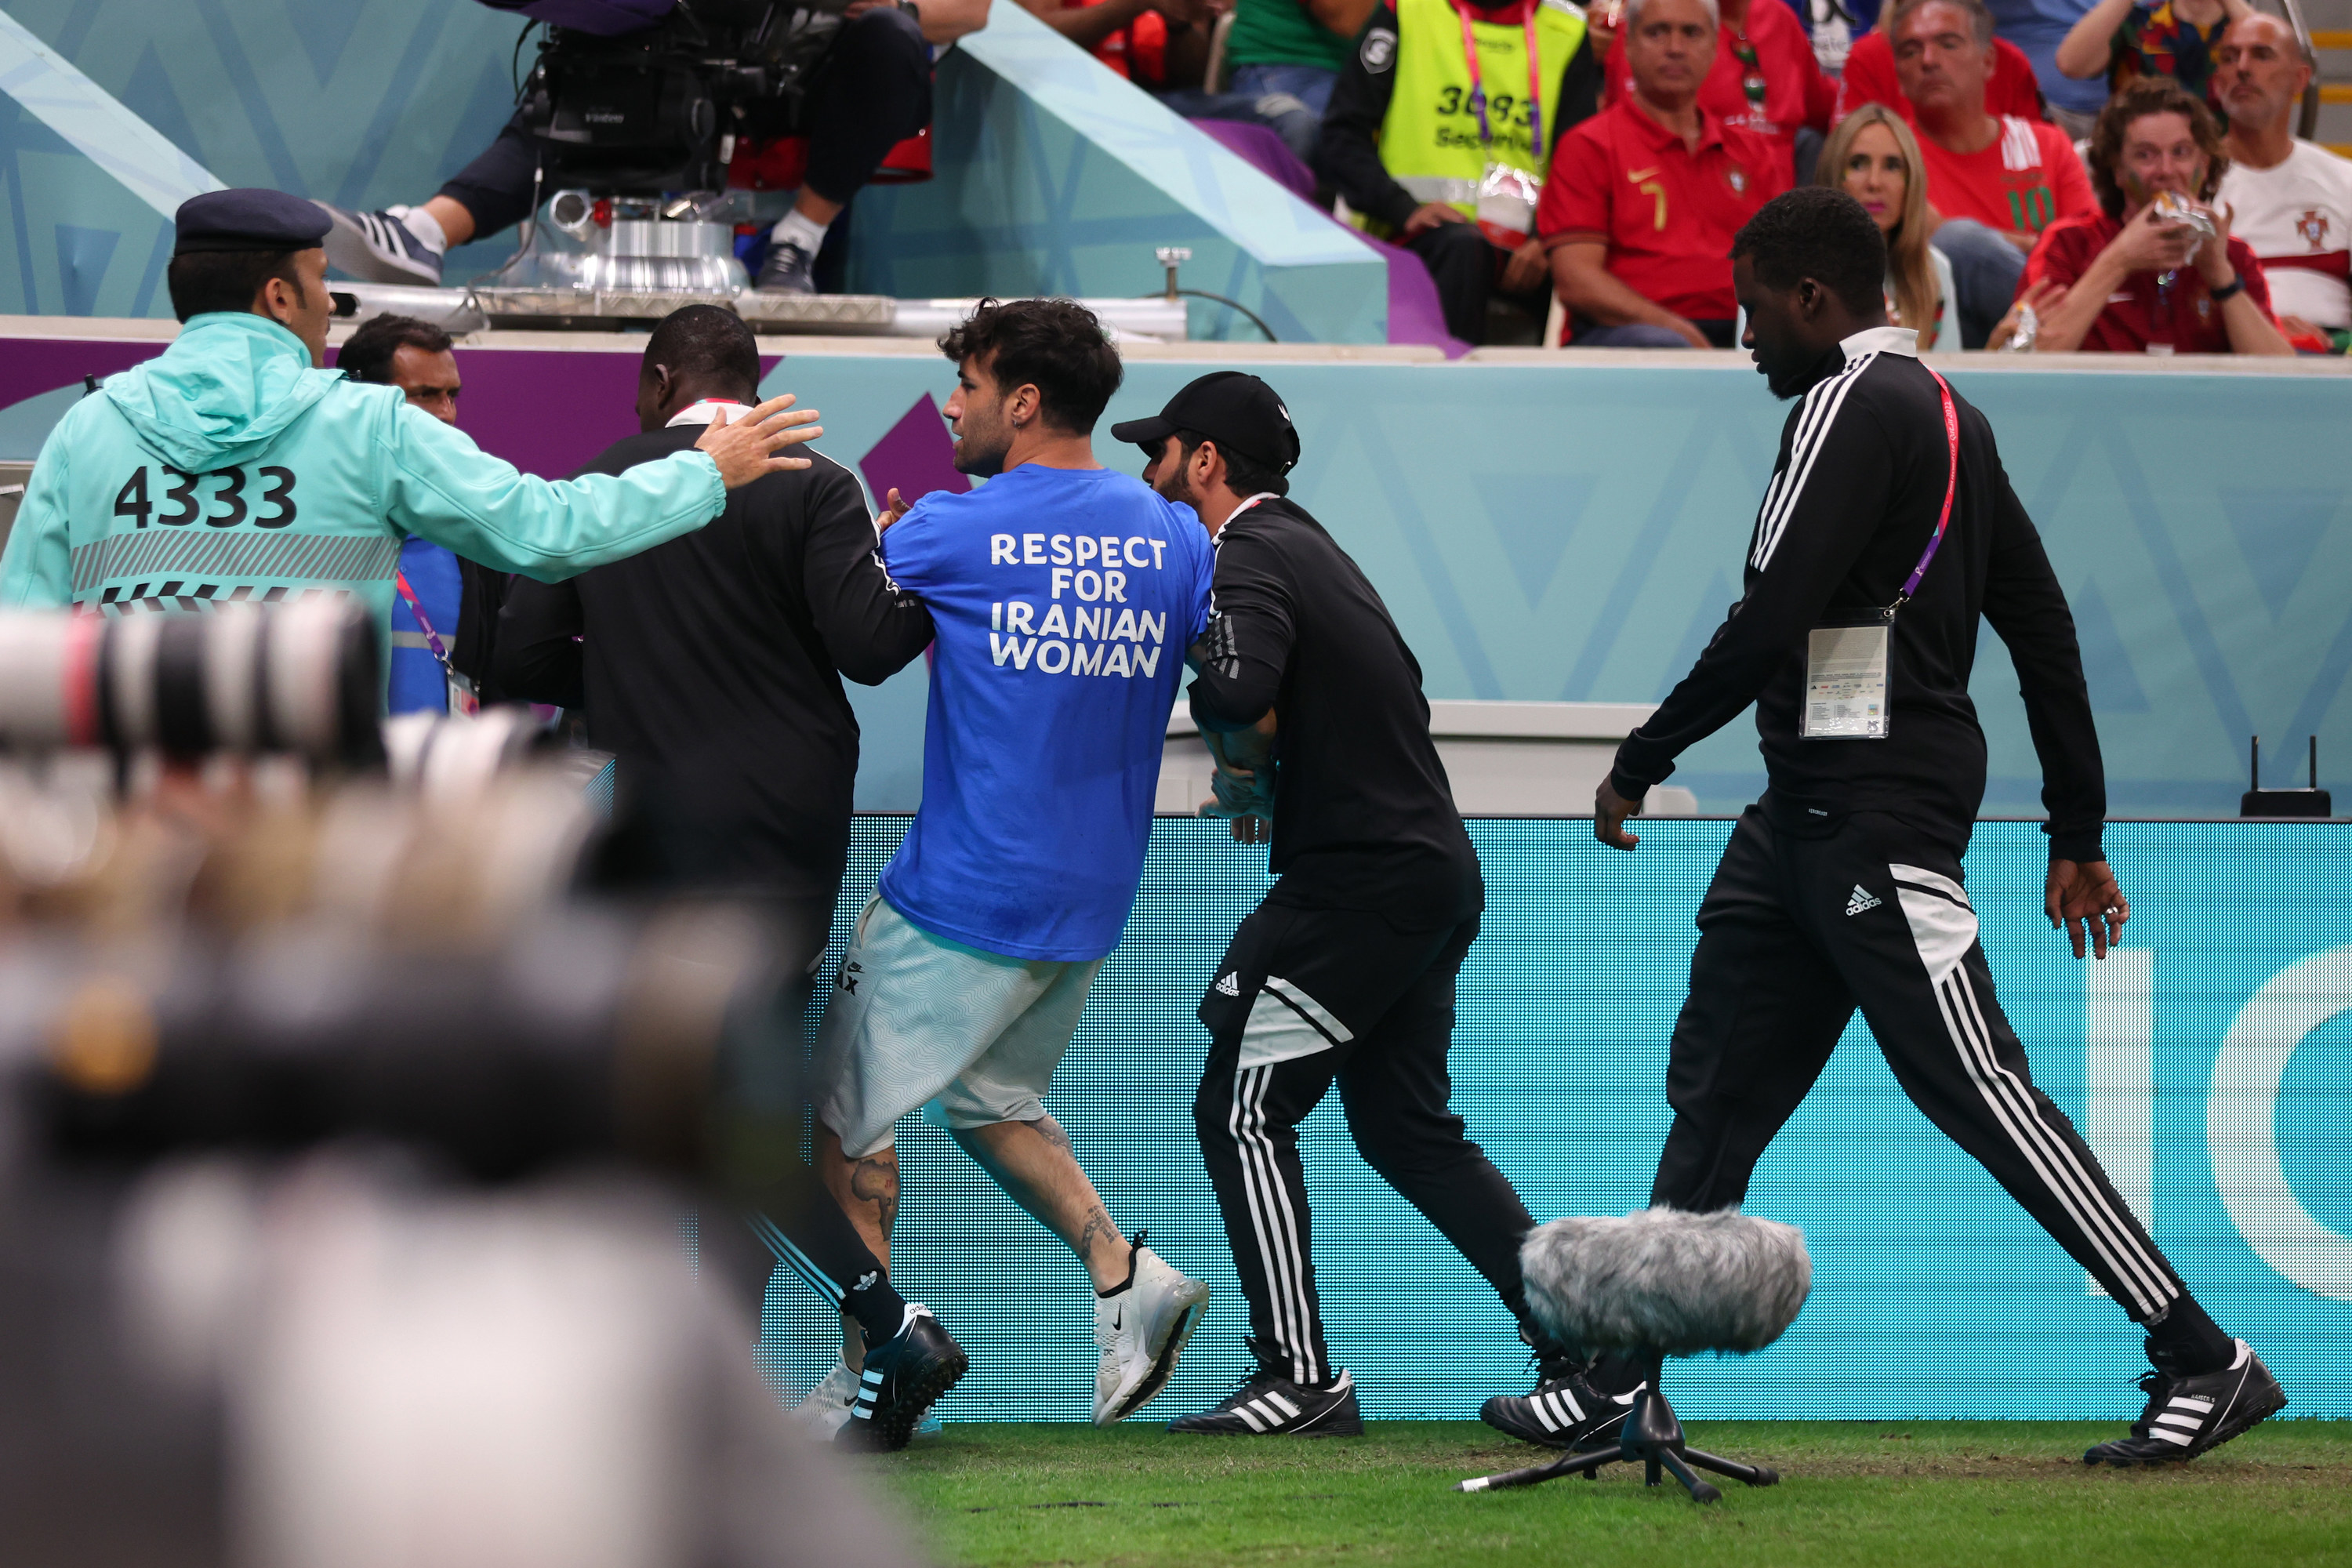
{"points": [[299, 678]]}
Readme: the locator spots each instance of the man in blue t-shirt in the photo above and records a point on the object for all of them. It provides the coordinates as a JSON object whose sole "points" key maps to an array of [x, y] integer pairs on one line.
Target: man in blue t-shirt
{"points": [[1064, 597]]}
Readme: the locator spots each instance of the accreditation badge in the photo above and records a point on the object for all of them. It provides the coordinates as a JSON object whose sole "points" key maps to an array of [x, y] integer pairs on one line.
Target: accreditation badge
{"points": [[1845, 680], [1506, 205]]}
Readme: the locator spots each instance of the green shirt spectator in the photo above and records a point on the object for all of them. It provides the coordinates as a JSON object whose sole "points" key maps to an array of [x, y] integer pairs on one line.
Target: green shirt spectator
{"points": [[1289, 33]]}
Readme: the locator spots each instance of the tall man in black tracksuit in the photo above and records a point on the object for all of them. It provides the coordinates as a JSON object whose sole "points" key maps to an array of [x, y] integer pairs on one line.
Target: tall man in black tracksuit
{"points": [[1841, 887], [713, 672], [1346, 972]]}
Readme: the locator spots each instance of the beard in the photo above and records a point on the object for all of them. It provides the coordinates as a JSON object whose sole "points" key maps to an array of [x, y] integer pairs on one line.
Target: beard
{"points": [[1178, 487], [983, 447]]}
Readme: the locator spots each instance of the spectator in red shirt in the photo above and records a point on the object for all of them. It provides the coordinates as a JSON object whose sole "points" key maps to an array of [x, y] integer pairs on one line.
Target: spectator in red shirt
{"points": [[1994, 182], [1765, 79], [1870, 78], [1644, 197], [2134, 281], [1158, 45]]}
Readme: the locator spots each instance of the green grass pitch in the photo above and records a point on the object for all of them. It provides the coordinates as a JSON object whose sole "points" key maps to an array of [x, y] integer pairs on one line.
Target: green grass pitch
{"points": [[1873, 1494]]}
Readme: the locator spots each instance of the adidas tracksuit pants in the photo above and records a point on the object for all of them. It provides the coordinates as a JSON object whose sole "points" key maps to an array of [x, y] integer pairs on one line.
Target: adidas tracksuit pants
{"points": [[1304, 997], [1801, 925]]}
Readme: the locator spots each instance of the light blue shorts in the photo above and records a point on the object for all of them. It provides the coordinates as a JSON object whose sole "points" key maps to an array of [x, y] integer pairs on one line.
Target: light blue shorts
{"points": [[917, 1019]]}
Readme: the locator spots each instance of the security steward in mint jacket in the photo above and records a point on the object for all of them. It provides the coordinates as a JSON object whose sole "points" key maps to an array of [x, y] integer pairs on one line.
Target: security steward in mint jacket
{"points": [[231, 466], [1406, 144]]}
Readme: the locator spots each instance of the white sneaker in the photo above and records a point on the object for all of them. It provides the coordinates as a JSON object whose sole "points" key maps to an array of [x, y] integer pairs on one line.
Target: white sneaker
{"points": [[1142, 1331], [826, 1409]]}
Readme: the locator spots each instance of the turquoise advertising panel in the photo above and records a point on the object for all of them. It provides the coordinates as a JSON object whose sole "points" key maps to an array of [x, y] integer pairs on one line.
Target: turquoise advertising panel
{"points": [[2209, 1062]]}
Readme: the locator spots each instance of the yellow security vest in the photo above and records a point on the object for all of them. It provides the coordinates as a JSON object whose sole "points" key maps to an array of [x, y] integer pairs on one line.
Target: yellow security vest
{"points": [[1429, 141]]}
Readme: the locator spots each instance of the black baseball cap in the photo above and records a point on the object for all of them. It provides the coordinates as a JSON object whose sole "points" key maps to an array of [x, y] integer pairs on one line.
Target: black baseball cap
{"points": [[249, 219], [1231, 408]]}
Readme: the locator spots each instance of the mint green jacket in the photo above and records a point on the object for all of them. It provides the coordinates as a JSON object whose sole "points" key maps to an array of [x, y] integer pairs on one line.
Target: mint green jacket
{"points": [[228, 468]]}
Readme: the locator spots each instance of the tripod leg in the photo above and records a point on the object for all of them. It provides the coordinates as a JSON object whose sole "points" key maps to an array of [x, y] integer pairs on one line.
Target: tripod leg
{"points": [[1536, 1475], [1754, 1475], [1651, 1478], [1700, 1491]]}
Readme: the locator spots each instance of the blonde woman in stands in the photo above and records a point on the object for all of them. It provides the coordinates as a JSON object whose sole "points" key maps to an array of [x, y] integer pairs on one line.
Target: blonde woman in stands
{"points": [[1872, 157]]}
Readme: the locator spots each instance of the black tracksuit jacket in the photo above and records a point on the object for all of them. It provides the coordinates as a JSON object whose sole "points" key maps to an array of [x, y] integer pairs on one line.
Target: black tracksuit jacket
{"points": [[1853, 502]]}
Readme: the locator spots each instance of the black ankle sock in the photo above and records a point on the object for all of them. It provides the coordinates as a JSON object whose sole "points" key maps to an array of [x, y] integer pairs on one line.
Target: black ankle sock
{"points": [[878, 1306], [1134, 1249], [2183, 1341]]}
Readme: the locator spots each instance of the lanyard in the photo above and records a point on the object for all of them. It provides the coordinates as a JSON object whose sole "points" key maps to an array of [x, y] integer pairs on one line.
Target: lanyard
{"points": [[432, 637], [1478, 84], [1951, 483]]}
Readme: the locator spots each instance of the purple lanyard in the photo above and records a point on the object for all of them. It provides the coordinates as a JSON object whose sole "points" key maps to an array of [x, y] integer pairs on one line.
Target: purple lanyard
{"points": [[1951, 483]]}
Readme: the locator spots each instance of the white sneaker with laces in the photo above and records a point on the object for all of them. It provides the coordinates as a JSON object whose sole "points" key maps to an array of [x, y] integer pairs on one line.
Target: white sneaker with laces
{"points": [[382, 246], [1142, 1331], [826, 1410]]}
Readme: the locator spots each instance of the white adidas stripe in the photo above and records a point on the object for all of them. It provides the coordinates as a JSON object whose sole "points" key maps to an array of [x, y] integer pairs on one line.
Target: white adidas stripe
{"points": [[2120, 1230], [1776, 499], [1319, 1016], [1277, 1225], [2186, 1423], [2182, 1439], [1816, 401], [794, 1258], [1279, 1403], [2060, 1171], [2014, 1109], [1249, 1420], [1808, 454], [1245, 1144], [1302, 1312]]}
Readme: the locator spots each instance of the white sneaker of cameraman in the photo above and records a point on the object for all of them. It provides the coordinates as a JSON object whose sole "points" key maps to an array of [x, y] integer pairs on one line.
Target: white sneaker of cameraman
{"points": [[1141, 1329], [826, 1410]]}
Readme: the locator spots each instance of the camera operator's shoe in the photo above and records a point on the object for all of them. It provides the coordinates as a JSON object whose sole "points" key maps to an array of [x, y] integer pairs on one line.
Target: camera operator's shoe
{"points": [[904, 1376], [379, 247], [1270, 1405], [1143, 1329], [827, 1408], [2187, 1415], [789, 270], [1563, 1411]]}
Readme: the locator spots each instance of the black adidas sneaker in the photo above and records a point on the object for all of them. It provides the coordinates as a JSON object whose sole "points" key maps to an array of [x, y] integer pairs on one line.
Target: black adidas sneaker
{"points": [[2187, 1415], [1563, 1411], [904, 1376], [1271, 1406]]}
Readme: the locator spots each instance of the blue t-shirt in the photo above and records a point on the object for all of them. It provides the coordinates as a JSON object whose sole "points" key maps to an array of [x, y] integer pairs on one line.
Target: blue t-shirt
{"points": [[1064, 601]]}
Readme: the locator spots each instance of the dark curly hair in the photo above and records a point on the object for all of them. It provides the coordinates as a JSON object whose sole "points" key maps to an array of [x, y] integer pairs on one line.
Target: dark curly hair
{"points": [[367, 354], [1818, 233], [2136, 99], [1056, 345]]}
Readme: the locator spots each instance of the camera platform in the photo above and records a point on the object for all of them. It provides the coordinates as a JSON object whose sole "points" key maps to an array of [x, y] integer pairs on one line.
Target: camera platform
{"points": [[1652, 1437], [567, 308], [561, 309]]}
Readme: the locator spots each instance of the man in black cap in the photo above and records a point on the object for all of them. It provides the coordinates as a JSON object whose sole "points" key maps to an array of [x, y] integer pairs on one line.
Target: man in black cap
{"points": [[231, 466], [1346, 972]]}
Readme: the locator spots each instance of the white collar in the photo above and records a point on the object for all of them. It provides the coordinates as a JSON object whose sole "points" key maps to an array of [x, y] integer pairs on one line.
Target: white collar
{"points": [[1901, 341], [700, 413]]}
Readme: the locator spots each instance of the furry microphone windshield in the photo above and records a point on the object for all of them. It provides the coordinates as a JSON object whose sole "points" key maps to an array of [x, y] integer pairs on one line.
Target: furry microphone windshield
{"points": [[1662, 1282]]}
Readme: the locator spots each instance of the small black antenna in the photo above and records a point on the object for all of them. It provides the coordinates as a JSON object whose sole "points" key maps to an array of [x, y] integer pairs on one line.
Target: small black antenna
{"points": [[89, 386], [2289, 800]]}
